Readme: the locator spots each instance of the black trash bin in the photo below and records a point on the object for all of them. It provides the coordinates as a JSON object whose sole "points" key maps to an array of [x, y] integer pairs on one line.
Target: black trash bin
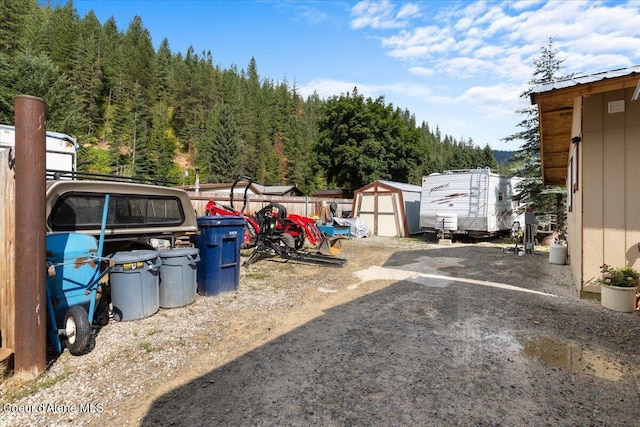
{"points": [[219, 243]]}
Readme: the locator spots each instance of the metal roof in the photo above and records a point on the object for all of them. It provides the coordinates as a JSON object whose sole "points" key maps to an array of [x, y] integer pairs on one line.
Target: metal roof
{"points": [[402, 186], [581, 80]]}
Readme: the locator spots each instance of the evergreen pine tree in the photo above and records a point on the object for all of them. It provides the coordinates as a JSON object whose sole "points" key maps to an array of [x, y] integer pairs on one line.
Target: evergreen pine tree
{"points": [[87, 74], [543, 200], [219, 152], [14, 23], [36, 75]]}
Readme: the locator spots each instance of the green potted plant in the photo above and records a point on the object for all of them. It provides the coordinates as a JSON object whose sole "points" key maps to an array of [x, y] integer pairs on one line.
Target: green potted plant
{"points": [[618, 288]]}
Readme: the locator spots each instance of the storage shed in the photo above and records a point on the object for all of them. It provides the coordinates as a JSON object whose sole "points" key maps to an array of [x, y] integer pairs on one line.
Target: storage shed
{"points": [[388, 208]]}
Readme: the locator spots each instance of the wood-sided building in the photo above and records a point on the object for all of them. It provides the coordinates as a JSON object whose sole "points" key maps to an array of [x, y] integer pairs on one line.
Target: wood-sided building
{"points": [[590, 142]]}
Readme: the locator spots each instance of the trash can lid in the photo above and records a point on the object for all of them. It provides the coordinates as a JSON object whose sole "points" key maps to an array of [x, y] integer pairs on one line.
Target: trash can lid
{"points": [[177, 252], [220, 221], [134, 256]]}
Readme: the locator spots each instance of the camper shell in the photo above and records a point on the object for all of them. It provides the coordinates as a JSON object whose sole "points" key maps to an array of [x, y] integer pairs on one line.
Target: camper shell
{"points": [[475, 202], [137, 212], [60, 148]]}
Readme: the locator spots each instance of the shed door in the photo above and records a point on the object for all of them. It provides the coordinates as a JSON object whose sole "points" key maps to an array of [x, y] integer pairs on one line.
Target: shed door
{"points": [[380, 212], [386, 220], [367, 210]]}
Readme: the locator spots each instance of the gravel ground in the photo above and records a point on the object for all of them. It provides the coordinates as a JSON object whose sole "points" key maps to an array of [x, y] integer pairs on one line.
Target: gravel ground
{"points": [[407, 333]]}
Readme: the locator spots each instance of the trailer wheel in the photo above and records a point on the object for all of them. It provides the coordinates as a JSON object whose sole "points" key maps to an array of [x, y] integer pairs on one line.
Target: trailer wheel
{"points": [[77, 330]]}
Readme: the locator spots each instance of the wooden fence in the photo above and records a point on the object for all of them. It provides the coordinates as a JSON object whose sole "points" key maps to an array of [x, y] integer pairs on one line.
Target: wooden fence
{"points": [[314, 207], [7, 252]]}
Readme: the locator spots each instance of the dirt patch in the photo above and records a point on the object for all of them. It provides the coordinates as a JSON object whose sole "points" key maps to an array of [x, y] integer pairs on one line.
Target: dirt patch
{"points": [[407, 333]]}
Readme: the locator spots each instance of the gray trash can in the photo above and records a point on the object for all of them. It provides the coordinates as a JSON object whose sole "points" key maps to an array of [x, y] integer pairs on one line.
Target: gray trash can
{"points": [[135, 284], [178, 284]]}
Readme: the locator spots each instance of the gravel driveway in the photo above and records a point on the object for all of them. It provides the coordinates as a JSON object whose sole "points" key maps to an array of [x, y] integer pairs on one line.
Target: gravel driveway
{"points": [[407, 333]]}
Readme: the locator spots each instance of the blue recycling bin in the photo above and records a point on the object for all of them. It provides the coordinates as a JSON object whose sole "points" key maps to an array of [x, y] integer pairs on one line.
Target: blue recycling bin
{"points": [[219, 241]]}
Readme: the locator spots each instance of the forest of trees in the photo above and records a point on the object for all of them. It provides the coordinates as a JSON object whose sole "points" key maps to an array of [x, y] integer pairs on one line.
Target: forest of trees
{"points": [[138, 111]]}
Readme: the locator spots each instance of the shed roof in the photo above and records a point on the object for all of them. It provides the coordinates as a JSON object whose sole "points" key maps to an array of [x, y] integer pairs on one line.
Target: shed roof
{"points": [[402, 186], [555, 113], [390, 185]]}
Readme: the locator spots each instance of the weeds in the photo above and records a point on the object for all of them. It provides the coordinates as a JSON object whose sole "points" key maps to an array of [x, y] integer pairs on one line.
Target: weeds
{"points": [[16, 393], [146, 346]]}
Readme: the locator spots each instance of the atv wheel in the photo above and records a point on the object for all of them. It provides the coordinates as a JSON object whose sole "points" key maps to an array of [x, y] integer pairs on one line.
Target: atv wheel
{"points": [[300, 240], [288, 241]]}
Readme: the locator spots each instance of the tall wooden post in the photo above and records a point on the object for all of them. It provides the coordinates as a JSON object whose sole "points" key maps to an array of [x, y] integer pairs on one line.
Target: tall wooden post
{"points": [[30, 351]]}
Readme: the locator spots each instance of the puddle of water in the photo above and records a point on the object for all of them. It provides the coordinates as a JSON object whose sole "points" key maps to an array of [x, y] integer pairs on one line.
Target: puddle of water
{"points": [[569, 355]]}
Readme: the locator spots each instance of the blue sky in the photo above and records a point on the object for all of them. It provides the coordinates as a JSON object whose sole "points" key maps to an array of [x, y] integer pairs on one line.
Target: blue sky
{"points": [[460, 65]]}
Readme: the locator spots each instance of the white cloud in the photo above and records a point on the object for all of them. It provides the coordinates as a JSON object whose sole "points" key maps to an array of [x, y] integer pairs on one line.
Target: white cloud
{"points": [[405, 89], [465, 67], [326, 88], [464, 24], [469, 45], [419, 42], [501, 93], [421, 71], [312, 15], [409, 10], [585, 64], [525, 4], [375, 14], [488, 52]]}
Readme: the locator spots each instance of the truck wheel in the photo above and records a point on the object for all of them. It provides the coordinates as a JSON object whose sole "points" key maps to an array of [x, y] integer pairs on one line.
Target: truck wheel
{"points": [[77, 330]]}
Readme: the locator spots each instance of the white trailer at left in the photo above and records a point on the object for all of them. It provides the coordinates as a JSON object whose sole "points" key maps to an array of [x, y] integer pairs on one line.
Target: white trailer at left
{"points": [[61, 148]]}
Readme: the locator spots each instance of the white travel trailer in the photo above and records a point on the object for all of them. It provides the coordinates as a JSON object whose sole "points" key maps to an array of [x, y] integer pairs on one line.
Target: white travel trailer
{"points": [[475, 202], [61, 148]]}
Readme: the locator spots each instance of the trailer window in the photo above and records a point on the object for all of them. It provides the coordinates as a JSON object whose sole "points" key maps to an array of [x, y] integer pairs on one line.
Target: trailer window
{"points": [[83, 211]]}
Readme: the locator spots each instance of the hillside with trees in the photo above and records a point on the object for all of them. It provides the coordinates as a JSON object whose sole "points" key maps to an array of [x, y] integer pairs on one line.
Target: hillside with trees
{"points": [[138, 111]]}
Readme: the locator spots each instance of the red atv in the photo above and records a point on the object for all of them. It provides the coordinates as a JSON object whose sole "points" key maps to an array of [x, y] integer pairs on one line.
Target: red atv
{"points": [[281, 235], [251, 227], [297, 226]]}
